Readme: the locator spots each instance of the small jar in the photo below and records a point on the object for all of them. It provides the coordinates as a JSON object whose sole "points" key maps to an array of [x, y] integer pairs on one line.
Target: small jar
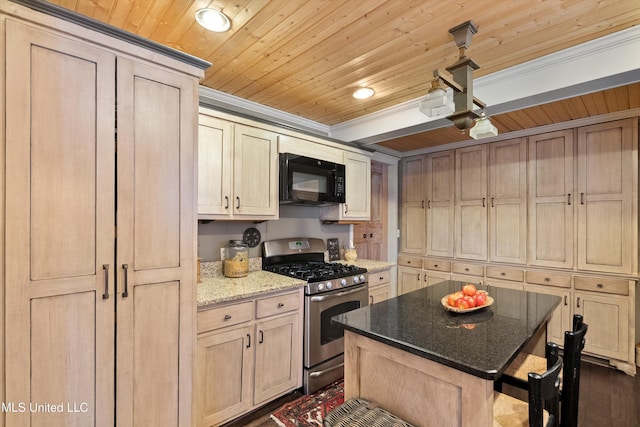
{"points": [[236, 259]]}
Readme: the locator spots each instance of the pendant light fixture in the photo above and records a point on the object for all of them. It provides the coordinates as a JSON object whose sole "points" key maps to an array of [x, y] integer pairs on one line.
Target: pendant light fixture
{"points": [[463, 116]]}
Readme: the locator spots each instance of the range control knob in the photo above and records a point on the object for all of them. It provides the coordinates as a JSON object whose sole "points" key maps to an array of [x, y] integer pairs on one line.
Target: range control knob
{"points": [[362, 278], [343, 282], [329, 285], [356, 279], [320, 286]]}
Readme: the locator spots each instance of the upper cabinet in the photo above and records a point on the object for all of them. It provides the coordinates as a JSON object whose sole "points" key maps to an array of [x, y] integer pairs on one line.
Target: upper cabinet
{"points": [[471, 202], [607, 198], [357, 206], [440, 201], [237, 170], [551, 199], [412, 232], [508, 201]]}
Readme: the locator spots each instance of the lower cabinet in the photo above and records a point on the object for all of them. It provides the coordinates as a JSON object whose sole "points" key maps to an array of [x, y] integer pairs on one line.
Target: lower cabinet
{"points": [[607, 302], [379, 286], [248, 353]]}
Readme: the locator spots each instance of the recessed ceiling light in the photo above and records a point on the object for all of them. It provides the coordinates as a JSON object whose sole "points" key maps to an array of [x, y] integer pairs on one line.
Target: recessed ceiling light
{"points": [[213, 20], [363, 93]]}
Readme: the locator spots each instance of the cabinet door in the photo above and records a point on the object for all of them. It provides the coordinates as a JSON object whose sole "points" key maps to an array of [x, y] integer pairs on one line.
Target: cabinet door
{"points": [[379, 293], [278, 364], [412, 235], [409, 279], [551, 199], [440, 202], [561, 318], [608, 320], [608, 206], [255, 172], [214, 167], [59, 193], [358, 186], [369, 237], [224, 375], [508, 201], [156, 219], [471, 202]]}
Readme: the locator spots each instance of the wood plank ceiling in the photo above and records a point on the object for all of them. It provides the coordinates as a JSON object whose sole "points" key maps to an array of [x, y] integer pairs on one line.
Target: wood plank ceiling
{"points": [[306, 57]]}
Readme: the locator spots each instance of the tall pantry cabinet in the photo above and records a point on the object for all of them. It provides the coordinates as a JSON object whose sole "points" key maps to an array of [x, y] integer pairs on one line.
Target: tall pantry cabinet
{"points": [[99, 226]]}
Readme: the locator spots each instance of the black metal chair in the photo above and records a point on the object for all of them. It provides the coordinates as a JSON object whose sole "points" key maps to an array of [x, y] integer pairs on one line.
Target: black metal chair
{"points": [[543, 398], [574, 341]]}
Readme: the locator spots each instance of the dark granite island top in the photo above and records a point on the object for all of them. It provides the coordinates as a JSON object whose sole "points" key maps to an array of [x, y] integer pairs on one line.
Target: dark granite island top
{"points": [[481, 343]]}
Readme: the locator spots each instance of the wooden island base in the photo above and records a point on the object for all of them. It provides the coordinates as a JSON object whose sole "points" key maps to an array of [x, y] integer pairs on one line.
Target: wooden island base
{"points": [[420, 391]]}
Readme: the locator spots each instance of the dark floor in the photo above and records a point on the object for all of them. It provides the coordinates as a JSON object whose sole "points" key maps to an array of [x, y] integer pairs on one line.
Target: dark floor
{"points": [[608, 398]]}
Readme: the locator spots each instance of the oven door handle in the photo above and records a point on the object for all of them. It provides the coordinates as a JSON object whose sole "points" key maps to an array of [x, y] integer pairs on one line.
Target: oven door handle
{"points": [[339, 294], [325, 371]]}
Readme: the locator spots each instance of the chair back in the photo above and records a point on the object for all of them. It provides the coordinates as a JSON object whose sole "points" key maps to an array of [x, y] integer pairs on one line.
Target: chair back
{"points": [[573, 345], [544, 391]]}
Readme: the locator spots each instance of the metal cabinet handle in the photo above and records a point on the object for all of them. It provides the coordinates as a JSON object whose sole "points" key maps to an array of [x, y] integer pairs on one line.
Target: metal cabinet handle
{"points": [[370, 235], [227, 317], [364, 235], [105, 268], [125, 292], [582, 198], [261, 340], [346, 208], [238, 200], [280, 304], [248, 341], [492, 204], [569, 199], [578, 302], [429, 204], [484, 202], [226, 199], [423, 204], [566, 302], [370, 299]]}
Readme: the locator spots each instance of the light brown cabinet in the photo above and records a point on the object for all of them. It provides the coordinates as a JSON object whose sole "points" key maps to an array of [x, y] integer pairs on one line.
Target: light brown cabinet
{"points": [[413, 224], [369, 237], [508, 201], [237, 170], [607, 199], [248, 353], [379, 286], [551, 199], [67, 266], [440, 202], [471, 202]]}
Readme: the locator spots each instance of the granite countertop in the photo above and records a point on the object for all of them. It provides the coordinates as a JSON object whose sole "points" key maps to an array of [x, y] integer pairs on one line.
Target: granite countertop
{"points": [[217, 289], [481, 343]]}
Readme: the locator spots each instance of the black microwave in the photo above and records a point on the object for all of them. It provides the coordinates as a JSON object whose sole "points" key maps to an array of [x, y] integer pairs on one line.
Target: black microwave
{"points": [[304, 180]]}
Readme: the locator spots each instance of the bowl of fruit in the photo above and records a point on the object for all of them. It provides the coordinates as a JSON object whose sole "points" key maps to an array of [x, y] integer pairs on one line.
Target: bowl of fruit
{"points": [[467, 300]]}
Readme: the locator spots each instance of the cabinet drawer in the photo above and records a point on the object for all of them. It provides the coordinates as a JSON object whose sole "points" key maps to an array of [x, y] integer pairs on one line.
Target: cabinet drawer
{"points": [[436, 264], [277, 304], [505, 273], [410, 261], [600, 284], [550, 279], [379, 278], [221, 317], [468, 269]]}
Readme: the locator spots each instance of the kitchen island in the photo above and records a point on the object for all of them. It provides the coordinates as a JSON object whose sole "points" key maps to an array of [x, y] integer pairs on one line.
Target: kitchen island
{"points": [[433, 367]]}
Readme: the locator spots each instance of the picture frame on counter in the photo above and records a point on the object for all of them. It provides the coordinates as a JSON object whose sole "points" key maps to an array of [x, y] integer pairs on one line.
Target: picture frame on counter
{"points": [[333, 246]]}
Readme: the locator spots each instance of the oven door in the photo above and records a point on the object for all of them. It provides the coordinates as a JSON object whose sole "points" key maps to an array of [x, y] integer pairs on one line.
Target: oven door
{"points": [[323, 339]]}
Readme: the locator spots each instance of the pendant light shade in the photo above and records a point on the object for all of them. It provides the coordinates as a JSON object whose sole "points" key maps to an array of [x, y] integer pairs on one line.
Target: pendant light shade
{"points": [[483, 128], [437, 103]]}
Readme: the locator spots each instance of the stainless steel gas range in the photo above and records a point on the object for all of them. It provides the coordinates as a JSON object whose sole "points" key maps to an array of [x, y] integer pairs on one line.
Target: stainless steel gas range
{"points": [[332, 289]]}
